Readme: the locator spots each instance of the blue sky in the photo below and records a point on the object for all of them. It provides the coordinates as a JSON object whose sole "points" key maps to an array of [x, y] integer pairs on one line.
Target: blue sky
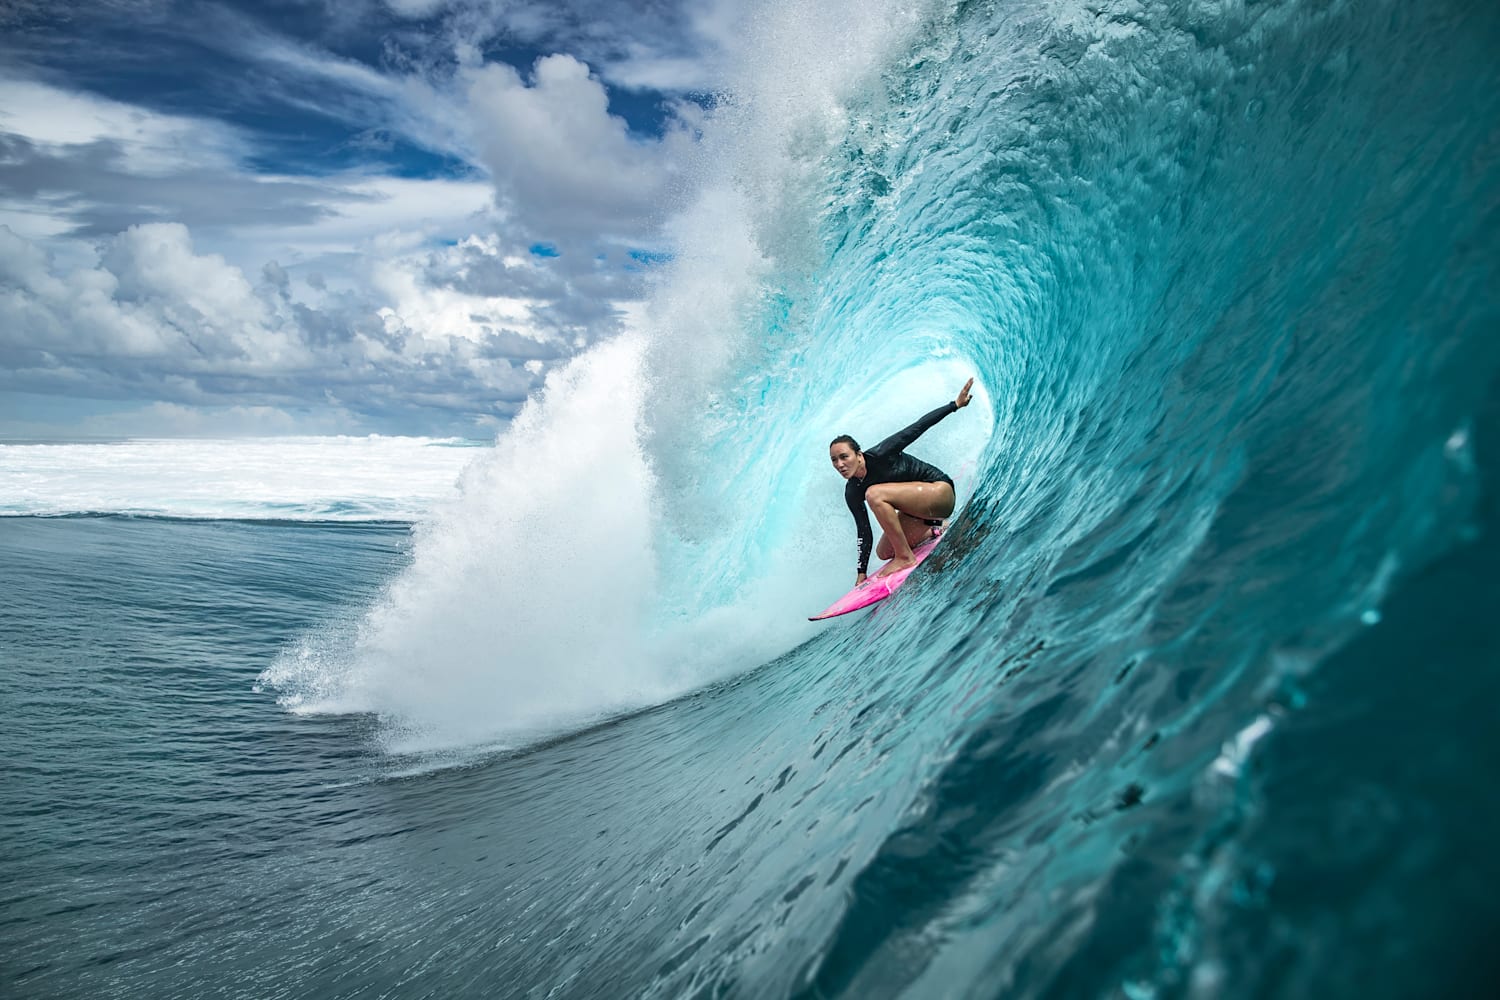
{"points": [[349, 216]]}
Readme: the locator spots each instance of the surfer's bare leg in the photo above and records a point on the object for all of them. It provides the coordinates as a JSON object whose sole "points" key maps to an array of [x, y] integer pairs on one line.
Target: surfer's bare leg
{"points": [[916, 530], [888, 501]]}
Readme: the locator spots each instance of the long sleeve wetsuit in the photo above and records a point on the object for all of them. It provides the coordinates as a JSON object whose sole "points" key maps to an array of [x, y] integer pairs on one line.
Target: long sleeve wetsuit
{"points": [[888, 462]]}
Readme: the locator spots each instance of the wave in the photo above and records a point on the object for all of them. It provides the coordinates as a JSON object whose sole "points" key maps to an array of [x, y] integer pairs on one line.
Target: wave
{"points": [[1227, 275], [1169, 258]]}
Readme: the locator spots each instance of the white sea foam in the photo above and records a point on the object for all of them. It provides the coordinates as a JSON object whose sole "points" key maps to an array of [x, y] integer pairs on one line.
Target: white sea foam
{"points": [[293, 478]]}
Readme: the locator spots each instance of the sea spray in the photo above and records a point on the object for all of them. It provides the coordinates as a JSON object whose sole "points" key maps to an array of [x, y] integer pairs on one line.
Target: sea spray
{"points": [[524, 594]]}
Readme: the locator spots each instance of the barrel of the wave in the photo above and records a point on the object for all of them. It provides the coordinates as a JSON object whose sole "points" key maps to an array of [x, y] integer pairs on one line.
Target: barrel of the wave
{"points": [[877, 588]]}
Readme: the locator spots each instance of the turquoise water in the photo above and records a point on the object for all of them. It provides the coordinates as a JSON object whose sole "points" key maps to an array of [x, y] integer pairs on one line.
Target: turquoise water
{"points": [[1195, 699]]}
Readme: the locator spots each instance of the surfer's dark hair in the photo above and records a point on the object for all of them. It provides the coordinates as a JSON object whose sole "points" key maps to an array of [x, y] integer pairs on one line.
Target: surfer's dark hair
{"points": [[845, 439]]}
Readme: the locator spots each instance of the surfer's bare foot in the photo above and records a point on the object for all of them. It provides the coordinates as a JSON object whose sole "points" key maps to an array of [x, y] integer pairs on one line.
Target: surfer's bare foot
{"points": [[897, 564]]}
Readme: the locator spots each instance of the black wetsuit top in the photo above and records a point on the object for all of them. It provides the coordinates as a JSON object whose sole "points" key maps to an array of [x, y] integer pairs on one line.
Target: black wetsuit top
{"points": [[888, 462]]}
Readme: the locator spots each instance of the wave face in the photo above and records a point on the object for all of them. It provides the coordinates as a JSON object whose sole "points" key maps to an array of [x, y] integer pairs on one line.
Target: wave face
{"points": [[1227, 274]]}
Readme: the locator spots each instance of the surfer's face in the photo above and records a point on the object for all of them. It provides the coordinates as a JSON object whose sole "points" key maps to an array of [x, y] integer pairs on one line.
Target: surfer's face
{"points": [[846, 460]]}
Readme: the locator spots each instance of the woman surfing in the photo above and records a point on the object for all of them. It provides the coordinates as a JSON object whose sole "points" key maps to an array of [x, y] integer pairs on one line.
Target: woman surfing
{"points": [[908, 497]]}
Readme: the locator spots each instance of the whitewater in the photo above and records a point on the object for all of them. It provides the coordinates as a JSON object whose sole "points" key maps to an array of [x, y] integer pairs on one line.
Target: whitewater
{"points": [[1195, 698]]}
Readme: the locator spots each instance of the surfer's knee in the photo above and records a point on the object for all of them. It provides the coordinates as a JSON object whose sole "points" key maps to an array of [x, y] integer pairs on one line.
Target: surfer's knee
{"points": [[879, 493]]}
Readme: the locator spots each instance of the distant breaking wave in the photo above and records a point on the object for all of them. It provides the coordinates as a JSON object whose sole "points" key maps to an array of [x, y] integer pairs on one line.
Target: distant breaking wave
{"points": [[255, 479]]}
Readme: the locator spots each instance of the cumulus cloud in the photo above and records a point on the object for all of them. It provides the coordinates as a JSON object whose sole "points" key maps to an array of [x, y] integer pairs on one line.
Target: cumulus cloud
{"points": [[670, 47], [206, 302], [165, 257], [153, 317], [562, 163]]}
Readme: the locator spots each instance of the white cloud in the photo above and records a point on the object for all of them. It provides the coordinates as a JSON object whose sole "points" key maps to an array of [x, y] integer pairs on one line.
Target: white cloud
{"points": [[148, 255], [167, 420], [154, 316], [151, 296], [174, 420], [666, 73], [561, 162], [378, 212], [149, 143], [72, 163], [444, 311], [674, 47], [56, 181], [412, 100], [155, 264]]}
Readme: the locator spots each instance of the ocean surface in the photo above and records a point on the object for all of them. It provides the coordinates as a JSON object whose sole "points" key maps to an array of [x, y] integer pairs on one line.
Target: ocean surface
{"points": [[1197, 698]]}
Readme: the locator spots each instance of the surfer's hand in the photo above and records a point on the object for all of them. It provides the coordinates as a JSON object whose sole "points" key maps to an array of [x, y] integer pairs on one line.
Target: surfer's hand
{"points": [[963, 395], [859, 578]]}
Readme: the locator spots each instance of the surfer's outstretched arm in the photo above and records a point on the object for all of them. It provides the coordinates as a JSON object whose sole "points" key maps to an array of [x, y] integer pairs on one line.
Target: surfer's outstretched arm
{"points": [[902, 439]]}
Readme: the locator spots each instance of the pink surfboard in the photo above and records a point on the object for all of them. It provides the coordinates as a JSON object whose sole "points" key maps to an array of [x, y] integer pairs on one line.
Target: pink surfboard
{"points": [[875, 588]]}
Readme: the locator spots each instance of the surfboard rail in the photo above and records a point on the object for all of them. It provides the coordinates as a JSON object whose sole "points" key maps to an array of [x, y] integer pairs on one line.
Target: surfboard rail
{"points": [[876, 588]]}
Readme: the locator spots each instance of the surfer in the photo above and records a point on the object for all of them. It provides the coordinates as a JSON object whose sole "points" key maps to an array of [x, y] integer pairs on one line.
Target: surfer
{"points": [[908, 497]]}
